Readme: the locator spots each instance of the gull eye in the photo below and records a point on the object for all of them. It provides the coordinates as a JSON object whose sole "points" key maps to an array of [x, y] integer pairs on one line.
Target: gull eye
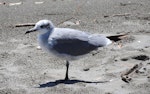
{"points": [[42, 26]]}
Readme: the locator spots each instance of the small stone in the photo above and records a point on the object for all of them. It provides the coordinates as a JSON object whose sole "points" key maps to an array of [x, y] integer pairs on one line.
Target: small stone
{"points": [[38, 48]]}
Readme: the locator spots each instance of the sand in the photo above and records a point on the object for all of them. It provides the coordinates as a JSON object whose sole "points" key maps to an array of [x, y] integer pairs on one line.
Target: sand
{"points": [[24, 69]]}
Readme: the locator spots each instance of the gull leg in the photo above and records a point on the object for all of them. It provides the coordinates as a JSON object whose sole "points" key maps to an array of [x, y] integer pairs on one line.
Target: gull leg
{"points": [[67, 66]]}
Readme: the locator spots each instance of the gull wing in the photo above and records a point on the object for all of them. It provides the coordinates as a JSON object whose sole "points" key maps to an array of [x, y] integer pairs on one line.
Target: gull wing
{"points": [[70, 41]]}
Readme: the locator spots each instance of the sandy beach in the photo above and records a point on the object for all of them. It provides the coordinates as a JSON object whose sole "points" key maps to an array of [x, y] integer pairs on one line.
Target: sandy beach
{"points": [[24, 69]]}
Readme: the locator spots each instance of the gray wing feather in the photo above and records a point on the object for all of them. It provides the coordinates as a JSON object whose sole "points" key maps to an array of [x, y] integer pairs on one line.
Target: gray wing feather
{"points": [[66, 33], [99, 40]]}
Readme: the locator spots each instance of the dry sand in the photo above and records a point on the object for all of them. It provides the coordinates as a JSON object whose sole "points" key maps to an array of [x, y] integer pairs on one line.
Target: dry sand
{"points": [[26, 70]]}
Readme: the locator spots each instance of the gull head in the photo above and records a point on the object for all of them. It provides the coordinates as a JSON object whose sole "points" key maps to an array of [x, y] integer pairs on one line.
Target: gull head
{"points": [[42, 26]]}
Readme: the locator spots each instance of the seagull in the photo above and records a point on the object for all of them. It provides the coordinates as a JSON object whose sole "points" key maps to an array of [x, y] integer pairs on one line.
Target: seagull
{"points": [[67, 43]]}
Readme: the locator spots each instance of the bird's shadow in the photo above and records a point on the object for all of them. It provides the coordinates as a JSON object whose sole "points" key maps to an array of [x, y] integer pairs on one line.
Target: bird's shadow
{"points": [[57, 82]]}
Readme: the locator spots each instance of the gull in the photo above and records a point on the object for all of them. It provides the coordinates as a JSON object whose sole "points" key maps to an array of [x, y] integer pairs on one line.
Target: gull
{"points": [[67, 43]]}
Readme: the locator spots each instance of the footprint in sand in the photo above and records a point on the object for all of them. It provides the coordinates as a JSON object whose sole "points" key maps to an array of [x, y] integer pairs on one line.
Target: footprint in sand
{"points": [[138, 57]]}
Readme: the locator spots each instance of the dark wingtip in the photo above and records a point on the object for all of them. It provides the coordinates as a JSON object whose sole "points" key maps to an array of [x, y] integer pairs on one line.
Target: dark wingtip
{"points": [[116, 38]]}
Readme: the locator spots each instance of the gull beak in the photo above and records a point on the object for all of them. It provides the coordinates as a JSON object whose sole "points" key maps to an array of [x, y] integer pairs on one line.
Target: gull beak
{"points": [[31, 30]]}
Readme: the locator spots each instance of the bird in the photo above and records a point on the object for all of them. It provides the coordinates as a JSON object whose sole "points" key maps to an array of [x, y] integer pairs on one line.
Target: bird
{"points": [[67, 43]]}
